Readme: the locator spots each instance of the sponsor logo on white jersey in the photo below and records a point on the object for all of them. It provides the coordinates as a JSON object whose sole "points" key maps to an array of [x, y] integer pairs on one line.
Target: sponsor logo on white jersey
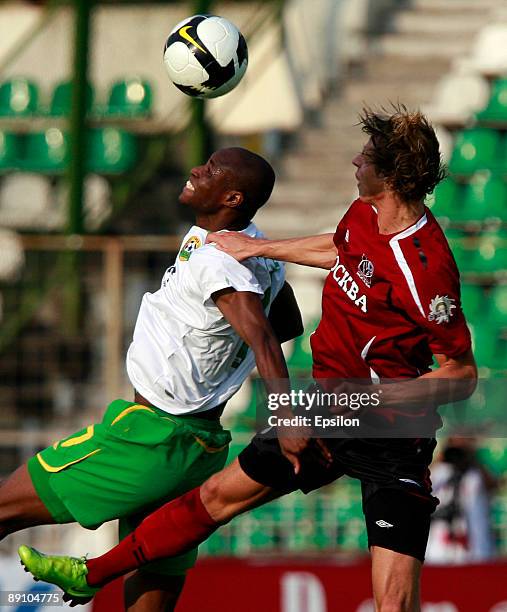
{"points": [[346, 282]]}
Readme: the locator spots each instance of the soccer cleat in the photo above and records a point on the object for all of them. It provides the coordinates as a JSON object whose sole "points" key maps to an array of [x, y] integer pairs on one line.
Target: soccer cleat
{"points": [[69, 573]]}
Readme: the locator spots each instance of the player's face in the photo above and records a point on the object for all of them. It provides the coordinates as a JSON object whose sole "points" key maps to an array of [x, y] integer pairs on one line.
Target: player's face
{"points": [[369, 183], [208, 184]]}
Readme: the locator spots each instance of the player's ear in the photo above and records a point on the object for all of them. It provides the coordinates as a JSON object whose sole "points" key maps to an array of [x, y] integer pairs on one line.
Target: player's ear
{"points": [[233, 199]]}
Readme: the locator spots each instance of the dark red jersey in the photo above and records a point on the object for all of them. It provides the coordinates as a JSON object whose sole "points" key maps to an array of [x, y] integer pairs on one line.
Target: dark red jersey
{"points": [[390, 301]]}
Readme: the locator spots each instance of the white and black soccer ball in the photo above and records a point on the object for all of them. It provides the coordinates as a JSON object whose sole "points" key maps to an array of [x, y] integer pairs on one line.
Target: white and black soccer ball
{"points": [[206, 56]]}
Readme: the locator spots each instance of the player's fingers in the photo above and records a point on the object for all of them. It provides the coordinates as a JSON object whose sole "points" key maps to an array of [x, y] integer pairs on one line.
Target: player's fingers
{"points": [[295, 462], [326, 453]]}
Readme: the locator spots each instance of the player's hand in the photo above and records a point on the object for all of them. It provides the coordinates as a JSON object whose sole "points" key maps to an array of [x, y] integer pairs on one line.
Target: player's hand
{"points": [[295, 444], [235, 244], [350, 389]]}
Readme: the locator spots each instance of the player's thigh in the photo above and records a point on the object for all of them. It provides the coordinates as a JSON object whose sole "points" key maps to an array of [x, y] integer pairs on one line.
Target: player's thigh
{"points": [[134, 459], [398, 519], [395, 579], [231, 492], [397, 522], [148, 592], [20, 506]]}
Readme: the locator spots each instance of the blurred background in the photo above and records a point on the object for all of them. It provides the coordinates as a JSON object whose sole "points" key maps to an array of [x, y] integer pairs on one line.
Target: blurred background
{"points": [[95, 146]]}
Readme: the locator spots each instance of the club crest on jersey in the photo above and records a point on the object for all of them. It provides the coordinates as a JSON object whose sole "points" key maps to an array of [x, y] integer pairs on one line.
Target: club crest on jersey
{"points": [[365, 270], [441, 308], [193, 243]]}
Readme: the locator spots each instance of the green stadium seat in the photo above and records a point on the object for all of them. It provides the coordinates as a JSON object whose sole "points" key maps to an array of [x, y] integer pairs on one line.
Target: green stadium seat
{"points": [[463, 254], [494, 456], [475, 149], [490, 256], [130, 98], [61, 99], [243, 421], [300, 361], [498, 306], [18, 98], [472, 301], [454, 234], [111, 151], [485, 345], [485, 199], [445, 199], [496, 109], [217, 544], [10, 153], [46, 151]]}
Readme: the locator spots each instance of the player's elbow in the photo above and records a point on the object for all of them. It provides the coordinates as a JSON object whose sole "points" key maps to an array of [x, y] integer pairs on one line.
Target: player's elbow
{"points": [[465, 381], [470, 377], [293, 328]]}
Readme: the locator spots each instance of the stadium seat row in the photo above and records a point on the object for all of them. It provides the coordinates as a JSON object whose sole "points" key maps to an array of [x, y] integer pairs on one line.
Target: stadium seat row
{"points": [[496, 108], [129, 98], [479, 148], [326, 520], [484, 256], [482, 200], [110, 151], [480, 305]]}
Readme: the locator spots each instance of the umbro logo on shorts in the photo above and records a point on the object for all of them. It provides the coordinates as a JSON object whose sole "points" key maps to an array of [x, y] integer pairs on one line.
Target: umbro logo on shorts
{"points": [[382, 523]]}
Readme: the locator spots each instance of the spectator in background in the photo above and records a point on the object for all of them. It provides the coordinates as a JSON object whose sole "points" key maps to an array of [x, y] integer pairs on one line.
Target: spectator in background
{"points": [[461, 527]]}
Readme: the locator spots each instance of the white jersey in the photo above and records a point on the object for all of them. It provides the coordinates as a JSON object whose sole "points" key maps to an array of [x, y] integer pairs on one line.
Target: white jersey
{"points": [[185, 357]]}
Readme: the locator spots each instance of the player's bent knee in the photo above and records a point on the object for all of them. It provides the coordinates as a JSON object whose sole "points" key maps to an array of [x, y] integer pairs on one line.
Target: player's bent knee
{"points": [[215, 500]]}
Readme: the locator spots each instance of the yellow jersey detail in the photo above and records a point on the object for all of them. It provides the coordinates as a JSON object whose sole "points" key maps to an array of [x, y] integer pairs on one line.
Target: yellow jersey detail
{"points": [[78, 439], [130, 409], [209, 449], [59, 468]]}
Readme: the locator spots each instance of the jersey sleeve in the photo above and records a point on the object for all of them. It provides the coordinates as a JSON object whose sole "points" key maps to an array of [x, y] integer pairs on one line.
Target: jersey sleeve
{"points": [[213, 270], [430, 295], [340, 235]]}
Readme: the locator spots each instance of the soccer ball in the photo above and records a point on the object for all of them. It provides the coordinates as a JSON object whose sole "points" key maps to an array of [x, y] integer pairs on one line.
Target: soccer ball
{"points": [[206, 56]]}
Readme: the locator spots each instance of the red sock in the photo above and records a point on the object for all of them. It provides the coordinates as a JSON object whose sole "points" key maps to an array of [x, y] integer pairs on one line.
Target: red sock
{"points": [[172, 530]]}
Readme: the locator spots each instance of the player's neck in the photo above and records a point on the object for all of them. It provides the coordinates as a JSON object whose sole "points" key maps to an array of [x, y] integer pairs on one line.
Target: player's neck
{"points": [[218, 222], [394, 215]]}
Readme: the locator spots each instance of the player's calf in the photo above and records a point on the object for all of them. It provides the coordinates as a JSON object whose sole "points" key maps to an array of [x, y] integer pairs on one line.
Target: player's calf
{"points": [[147, 592]]}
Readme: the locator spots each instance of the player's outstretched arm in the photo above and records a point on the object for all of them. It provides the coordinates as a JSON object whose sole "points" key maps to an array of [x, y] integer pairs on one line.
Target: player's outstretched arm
{"points": [[314, 251], [245, 313]]}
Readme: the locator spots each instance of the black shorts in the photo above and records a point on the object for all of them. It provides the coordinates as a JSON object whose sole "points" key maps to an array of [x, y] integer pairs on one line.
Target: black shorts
{"points": [[394, 475]]}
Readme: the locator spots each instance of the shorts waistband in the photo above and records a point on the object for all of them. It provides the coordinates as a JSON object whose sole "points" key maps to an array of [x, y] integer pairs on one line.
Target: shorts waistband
{"points": [[207, 424]]}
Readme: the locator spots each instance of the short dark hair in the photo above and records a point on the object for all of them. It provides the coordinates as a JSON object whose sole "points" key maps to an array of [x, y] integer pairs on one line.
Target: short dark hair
{"points": [[405, 150], [254, 177]]}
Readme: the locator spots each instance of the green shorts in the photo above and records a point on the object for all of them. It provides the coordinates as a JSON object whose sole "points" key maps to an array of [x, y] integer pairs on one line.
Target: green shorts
{"points": [[131, 463]]}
